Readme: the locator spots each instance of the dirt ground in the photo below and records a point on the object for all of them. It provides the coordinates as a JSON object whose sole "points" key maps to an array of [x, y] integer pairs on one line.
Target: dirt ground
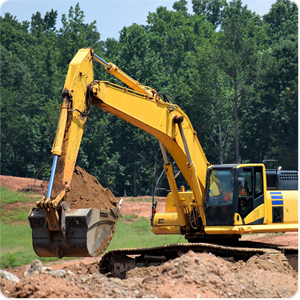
{"points": [[193, 275], [13, 183]]}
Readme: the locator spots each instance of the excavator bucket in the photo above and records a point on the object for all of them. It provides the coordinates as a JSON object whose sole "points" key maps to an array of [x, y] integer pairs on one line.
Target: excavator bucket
{"points": [[84, 232], [81, 224]]}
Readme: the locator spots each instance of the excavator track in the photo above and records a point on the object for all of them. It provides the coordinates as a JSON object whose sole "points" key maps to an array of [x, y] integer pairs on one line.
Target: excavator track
{"points": [[119, 261]]}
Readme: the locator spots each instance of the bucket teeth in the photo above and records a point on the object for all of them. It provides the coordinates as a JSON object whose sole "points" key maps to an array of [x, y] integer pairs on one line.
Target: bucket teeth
{"points": [[115, 212], [86, 232]]}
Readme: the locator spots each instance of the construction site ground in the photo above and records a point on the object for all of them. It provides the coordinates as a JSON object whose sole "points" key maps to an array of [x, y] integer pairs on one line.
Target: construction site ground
{"points": [[192, 275]]}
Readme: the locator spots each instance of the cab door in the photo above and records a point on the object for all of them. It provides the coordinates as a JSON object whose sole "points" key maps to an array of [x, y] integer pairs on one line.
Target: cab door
{"points": [[251, 196], [219, 198]]}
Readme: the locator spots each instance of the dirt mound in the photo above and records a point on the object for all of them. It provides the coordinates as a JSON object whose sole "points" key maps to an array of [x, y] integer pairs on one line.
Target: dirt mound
{"points": [[204, 273], [266, 262], [22, 184], [87, 192], [193, 275]]}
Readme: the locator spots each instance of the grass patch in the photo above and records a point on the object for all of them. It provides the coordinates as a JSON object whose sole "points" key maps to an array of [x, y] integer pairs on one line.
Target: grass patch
{"points": [[128, 218], [17, 214], [15, 232], [15, 206], [137, 199], [138, 234], [16, 246], [274, 233], [7, 196]]}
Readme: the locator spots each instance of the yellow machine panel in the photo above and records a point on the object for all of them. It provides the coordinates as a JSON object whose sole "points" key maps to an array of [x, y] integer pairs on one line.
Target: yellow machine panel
{"points": [[256, 214], [166, 223], [186, 198], [282, 207]]}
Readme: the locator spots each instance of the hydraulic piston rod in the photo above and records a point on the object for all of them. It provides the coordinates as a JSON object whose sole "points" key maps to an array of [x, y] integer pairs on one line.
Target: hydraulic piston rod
{"points": [[134, 84], [192, 170], [101, 61], [54, 164]]}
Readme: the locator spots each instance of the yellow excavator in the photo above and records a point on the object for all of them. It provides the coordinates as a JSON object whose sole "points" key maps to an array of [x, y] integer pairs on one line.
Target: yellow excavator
{"points": [[224, 201]]}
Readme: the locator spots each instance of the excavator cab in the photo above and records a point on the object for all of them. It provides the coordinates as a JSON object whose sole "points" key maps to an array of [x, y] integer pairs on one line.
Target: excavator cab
{"points": [[232, 193]]}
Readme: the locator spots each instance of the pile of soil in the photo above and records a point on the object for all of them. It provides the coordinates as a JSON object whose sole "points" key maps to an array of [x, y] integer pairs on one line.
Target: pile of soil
{"points": [[193, 275], [210, 276], [25, 185], [87, 192]]}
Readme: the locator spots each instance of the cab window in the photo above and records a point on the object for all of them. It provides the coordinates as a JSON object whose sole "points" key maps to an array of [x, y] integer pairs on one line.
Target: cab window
{"points": [[247, 189], [258, 183], [220, 187]]}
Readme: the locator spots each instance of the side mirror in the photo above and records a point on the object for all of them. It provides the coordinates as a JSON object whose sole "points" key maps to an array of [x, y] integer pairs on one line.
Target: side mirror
{"points": [[241, 182]]}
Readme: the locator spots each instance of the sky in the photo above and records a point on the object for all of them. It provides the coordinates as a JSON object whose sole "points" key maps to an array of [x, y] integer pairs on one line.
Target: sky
{"points": [[111, 15]]}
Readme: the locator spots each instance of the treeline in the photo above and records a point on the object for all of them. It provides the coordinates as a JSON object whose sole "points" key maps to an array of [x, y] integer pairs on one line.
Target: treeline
{"points": [[233, 72]]}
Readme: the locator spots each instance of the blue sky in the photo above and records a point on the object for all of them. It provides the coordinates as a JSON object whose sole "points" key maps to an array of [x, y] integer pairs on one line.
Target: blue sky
{"points": [[111, 15]]}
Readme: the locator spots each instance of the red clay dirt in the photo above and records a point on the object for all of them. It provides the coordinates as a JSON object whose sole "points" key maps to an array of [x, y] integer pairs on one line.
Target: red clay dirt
{"points": [[193, 275], [30, 185]]}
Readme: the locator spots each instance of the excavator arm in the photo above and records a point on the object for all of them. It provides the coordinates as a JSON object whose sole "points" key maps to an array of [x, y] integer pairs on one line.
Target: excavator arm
{"points": [[54, 232], [165, 121]]}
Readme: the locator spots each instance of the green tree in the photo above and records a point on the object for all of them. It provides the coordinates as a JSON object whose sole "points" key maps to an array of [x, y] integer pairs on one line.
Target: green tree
{"points": [[211, 85], [282, 18], [136, 58], [281, 83], [33, 75], [239, 40], [212, 9], [75, 34], [241, 80], [16, 95], [174, 37], [98, 153]]}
